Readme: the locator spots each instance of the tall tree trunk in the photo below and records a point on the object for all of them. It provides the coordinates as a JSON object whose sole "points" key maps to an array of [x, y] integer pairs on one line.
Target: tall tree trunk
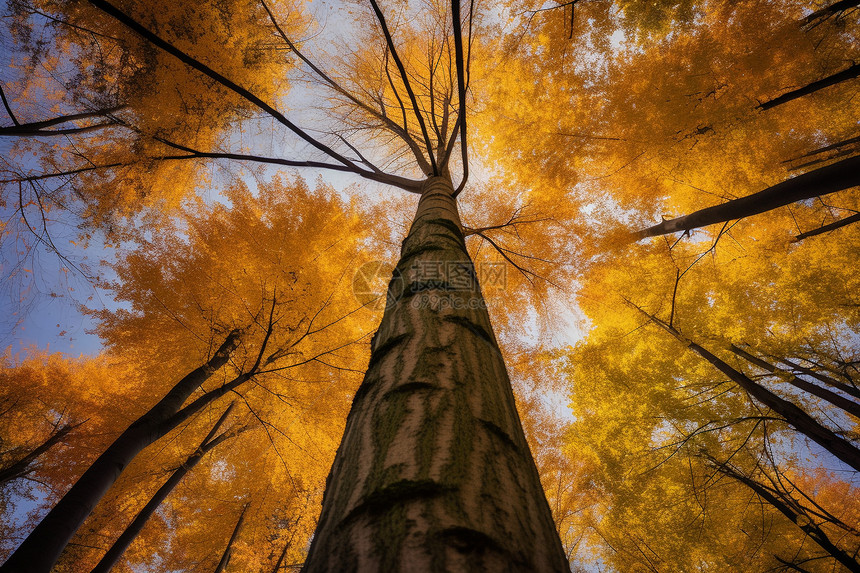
{"points": [[136, 526], [834, 177], [434, 472], [228, 551], [803, 521], [837, 400], [41, 549], [847, 74]]}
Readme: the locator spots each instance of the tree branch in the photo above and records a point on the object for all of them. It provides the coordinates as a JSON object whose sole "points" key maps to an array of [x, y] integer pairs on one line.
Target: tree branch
{"points": [[401, 132], [156, 40], [833, 79], [374, 174], [402, 70], [461, 91], [830, 179]]}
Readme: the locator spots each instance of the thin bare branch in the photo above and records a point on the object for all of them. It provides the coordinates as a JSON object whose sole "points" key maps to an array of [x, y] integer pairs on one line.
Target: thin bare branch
{"points": [[6, 105], [461, 91], [328, 80], [156, 40], [405, 78]]}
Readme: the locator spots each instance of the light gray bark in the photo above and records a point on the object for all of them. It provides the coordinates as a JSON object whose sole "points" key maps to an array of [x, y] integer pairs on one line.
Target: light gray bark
{"points": [[434, 472]]}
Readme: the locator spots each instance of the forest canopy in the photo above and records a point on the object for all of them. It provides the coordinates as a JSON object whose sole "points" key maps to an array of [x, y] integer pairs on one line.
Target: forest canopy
{"points": [[654, 205]]}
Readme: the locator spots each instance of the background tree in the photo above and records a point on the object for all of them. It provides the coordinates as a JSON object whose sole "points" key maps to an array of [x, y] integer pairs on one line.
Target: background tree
{"points": [[669, 123], [596, 119], [730, 299], [42, 394], [228, 271]]}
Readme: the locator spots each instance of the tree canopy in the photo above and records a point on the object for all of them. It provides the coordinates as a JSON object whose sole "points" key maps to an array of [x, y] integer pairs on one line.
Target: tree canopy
{"points": [[659, 198]]}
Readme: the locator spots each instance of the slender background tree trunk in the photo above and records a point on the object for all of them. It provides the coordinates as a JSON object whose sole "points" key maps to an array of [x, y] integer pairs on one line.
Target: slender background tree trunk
{"points": [[837, 400], [809, 527], [41, 549], [116, 551], [434, 472], [822, 181], [847, 74], [25, 465], [793, 415], [228, 551], [827, 228]]}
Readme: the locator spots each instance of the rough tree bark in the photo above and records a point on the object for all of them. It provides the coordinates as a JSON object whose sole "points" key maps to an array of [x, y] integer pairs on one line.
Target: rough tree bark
{"points": [[434, 472], [41, 549]]}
